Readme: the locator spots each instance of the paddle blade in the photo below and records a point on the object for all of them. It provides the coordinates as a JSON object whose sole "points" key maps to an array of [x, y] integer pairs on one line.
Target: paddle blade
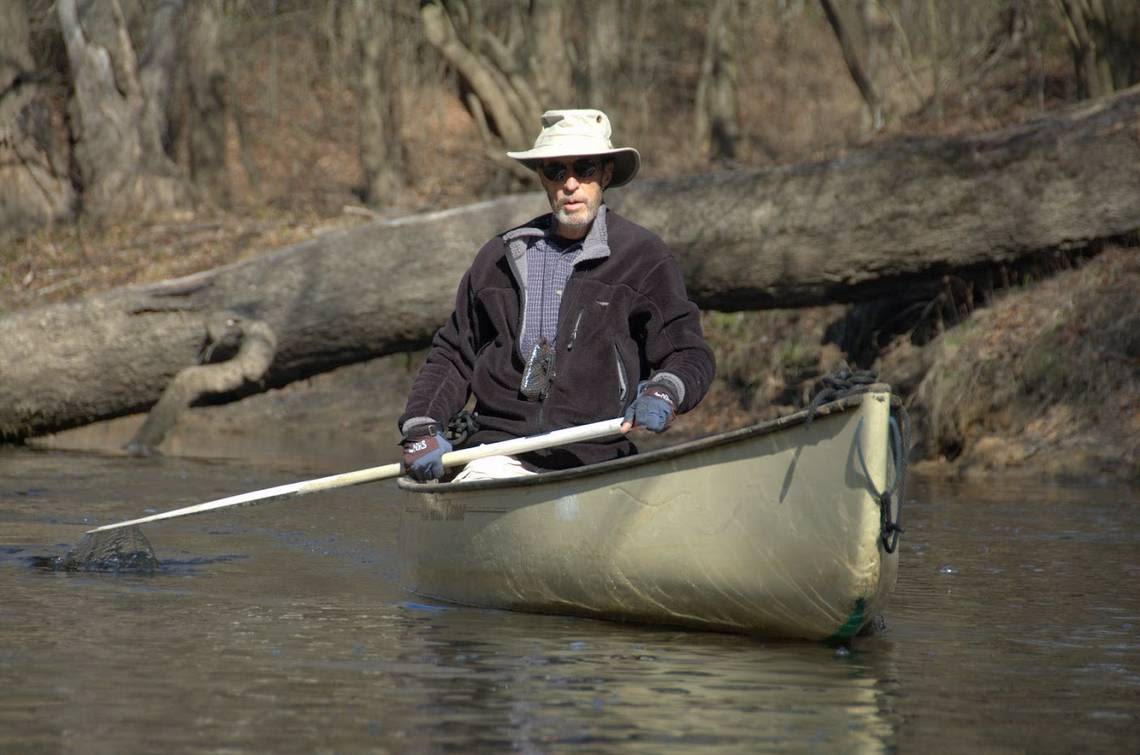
{"points": [[118, 551]]}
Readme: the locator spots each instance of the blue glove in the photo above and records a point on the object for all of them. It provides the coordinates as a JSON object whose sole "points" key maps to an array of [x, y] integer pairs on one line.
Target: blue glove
{"points": [[653, 409], [424, 447]]}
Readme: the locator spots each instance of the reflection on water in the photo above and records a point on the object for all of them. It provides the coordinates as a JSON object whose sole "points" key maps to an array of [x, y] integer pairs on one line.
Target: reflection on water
{"points": [[281, 628]]}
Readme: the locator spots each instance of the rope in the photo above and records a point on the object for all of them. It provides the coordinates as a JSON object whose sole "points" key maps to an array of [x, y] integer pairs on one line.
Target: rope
{"points": [[846, 382], [461, 427], [889, 530], [842, 382]]}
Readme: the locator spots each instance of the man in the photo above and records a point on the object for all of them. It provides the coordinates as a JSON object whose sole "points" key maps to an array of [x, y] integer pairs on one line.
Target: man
{"points": [[574, 317]]}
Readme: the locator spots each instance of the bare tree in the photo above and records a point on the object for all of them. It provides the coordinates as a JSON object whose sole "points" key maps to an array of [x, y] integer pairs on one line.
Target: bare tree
{"points": [[512, 64], [937, 44], [957, 58], [122, 164], [207, 113], [34, 185], [605, 49], [866, 87], [381, 150], [550, 58], [878, 40], [158, 70], [1104, 38], [717, 125], [186, 86]]}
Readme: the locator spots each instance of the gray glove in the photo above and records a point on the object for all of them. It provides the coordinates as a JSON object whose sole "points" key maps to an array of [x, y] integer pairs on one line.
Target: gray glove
{"points": [[424, 447], [654, 408]]}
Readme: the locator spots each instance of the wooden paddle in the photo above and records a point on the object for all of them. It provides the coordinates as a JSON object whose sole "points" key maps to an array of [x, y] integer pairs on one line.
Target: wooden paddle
{"points": [[387, 471]]}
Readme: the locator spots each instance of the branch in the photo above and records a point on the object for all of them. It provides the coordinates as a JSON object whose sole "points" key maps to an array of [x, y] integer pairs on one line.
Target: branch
{"points": [[442, 35], [866, 88]]}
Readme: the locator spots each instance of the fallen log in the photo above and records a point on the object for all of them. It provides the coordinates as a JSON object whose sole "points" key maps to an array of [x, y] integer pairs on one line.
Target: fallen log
{"points": [[883, 219], [898, 215], [255, 344]]}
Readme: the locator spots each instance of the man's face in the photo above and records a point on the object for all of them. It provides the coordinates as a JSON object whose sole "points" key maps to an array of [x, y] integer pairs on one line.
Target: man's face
{"points": [[574, 187]]}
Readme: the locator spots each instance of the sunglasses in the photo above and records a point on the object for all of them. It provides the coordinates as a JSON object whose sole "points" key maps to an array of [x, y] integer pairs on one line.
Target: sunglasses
{"points": [[582, 168]]}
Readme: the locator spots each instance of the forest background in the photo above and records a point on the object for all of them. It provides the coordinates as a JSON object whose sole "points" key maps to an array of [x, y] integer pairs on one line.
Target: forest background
{"points": [[240, 126]]}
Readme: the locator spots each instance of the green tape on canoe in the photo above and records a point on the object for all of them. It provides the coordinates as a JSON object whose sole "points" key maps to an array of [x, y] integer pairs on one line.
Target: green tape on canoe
{"points": [[851, 626]]}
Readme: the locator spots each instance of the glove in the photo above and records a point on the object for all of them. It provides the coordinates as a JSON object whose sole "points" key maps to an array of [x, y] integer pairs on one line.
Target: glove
{"points": [[653, 409], [424, 447]]}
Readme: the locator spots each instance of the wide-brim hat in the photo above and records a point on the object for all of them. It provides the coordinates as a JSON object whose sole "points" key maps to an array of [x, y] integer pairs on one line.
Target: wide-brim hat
{"points": [[578, 133]]}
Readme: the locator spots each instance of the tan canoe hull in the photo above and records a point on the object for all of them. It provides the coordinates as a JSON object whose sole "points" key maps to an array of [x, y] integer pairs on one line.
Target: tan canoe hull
{"points": [[771, 530]]}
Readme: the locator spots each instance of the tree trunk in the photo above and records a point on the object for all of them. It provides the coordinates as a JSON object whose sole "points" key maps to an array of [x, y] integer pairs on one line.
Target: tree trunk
{"points": [[550, 57], [604, 53], [123, 167], [889, 219], [866, 87], [488, 83], [878, 33], [158, 72], [508, 79], [1104, 37], [35, 188], [381, 150], [717, 128], [207, 116]]}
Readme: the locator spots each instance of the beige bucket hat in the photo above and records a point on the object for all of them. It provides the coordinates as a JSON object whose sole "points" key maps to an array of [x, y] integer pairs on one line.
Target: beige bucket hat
{"points": [[573, 133]]}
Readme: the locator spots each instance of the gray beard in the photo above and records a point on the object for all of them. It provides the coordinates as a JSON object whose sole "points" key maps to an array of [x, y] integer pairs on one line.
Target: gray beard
{"points": [[566, 221]]}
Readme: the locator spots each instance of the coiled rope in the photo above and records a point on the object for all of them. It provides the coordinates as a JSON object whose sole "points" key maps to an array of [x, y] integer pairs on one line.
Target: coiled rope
{"points": [[843, 382], [461, 427]]}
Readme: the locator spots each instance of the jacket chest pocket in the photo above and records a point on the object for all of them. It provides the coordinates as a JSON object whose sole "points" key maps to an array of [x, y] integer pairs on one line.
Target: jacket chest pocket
{"points": [[593, 354]]}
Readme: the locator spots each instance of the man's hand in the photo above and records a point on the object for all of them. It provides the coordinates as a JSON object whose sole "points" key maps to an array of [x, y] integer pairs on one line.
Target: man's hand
{"points": [[653, 409], [424, 447]]}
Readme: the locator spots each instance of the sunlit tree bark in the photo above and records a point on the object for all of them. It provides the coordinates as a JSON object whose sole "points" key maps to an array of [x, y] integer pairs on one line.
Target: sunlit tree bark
{"points": [[35, 188], [717, 125], [207, 94], [605, 50], [381, 151], [123, 167], [509, 75], [159, 71]]}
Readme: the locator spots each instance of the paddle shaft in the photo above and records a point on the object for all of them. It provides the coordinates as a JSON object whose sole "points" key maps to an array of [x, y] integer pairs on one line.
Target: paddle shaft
{"points": [[384, 472]]}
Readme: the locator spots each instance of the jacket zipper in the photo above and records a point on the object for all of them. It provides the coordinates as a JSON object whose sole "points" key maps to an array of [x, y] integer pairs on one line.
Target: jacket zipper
{"points": [[574, 332], [623, 380], [554, 372]]}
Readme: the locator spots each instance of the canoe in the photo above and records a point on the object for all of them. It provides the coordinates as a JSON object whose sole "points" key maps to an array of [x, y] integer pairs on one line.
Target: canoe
{"points": [[783, 529]]}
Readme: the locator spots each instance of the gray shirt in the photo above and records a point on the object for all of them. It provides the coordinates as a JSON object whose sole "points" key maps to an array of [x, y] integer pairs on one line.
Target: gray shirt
{"points": [[549, 262], [542, 266]]}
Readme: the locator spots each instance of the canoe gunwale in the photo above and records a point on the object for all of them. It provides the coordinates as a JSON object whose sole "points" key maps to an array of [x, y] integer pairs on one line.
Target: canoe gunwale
{"points": [[844, 403]]}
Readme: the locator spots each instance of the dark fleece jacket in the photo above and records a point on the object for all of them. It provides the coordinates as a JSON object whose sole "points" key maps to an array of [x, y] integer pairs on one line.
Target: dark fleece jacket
{"points": [[624, 317]]}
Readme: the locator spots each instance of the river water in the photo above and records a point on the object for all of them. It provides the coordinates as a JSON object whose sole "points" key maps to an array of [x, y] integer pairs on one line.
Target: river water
{"points": [[1015, 627]]}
